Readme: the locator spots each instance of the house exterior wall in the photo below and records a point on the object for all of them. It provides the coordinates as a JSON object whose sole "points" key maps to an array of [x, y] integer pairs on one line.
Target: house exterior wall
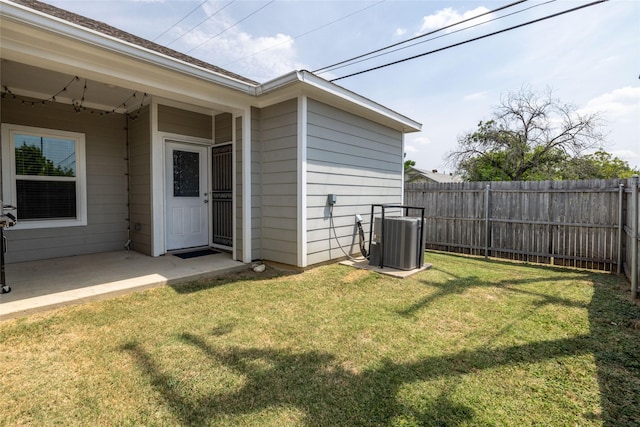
{"points": [[256, 185], [278, 130], [358, 160], [106, 228], [223, 128], [182, 122], [140, 182], [238, 196]]}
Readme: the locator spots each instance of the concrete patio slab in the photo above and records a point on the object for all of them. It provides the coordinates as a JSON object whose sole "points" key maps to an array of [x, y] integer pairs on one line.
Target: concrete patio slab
{"points": [[401, 274], [46, 284]]}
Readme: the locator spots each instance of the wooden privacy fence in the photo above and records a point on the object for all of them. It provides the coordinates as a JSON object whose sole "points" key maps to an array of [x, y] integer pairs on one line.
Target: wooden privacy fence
{"points": [[588, 224]]}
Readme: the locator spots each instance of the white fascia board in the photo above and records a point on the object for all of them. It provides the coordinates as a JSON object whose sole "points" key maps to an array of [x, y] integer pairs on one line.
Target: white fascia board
{"points": [[33, 18], [246, 186], [328, 87], [156, 159], [302, 181], [310, 80], [278, 82]]}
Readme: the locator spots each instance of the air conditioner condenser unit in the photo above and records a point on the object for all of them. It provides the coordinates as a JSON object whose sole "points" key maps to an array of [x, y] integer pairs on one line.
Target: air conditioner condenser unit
{"points": [[400, 243]]}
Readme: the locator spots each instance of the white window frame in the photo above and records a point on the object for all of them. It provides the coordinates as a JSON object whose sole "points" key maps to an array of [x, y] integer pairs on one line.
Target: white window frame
{"points": [[9, 193]]}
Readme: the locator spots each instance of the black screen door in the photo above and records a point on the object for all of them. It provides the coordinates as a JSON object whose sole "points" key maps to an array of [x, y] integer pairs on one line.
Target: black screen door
{"points": [[222, 195]]}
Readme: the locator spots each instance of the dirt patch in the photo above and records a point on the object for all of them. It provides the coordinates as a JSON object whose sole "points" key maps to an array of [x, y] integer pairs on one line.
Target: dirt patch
{"points": [[354, 276]]}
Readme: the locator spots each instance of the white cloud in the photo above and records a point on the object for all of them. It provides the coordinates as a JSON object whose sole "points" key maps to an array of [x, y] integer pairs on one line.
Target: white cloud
{"points": [[627, 155], [619, 105], [410, 149], [448, 16], [254, 61], [219, 42], [416, 144], [420, 140], [400, 32], [476, 96]]}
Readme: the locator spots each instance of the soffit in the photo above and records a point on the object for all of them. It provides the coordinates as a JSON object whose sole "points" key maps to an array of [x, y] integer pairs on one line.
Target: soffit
{"points": [[123, 36], [73, 45], [87, 57]]}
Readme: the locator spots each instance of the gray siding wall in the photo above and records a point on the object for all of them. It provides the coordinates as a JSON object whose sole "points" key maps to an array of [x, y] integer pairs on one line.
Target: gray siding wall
{"points": [[278, 181], [182, 122], [105, 138], [223, 129], [256, 186], [239, 204], [359, 161], [256, 220], [140, 182]]}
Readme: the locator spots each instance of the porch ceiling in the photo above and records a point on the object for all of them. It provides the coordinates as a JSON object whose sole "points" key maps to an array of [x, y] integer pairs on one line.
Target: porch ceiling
{"points": [[28, 81]]}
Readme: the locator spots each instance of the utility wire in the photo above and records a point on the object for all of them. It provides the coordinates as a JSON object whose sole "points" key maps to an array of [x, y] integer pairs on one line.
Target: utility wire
{"points": [[308, 32], [231, 26], [473, 39], [201, 22], [419, 36], [365, 57], [183, 18]]}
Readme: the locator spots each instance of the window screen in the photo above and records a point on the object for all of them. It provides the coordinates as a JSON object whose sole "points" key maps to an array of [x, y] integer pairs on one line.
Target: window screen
{"points": [[45, 170]]}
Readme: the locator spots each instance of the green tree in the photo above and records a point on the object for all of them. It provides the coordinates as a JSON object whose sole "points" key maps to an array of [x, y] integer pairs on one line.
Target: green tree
{"points": [[408, 164], [599, 165], [31, 161], [531, 136]]}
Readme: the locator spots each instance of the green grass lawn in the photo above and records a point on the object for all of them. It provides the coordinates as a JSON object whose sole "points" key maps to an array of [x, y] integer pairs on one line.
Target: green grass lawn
{"points": [[469, 342]]}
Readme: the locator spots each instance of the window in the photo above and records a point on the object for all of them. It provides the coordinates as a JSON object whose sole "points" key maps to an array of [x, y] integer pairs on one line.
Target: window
{"points": [[43, 174], [186, 174]]}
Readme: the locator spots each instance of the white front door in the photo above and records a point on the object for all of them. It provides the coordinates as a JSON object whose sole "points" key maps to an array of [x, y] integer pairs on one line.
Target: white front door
{"points": [[186, 196]]}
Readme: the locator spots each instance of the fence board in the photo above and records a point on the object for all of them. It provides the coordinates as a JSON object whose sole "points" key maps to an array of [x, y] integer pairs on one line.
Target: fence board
{"points": [[565, 223]]}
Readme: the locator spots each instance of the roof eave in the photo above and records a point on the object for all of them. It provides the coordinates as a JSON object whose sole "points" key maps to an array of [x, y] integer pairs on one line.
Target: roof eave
{"points": [[311, 80], [30, 17]]}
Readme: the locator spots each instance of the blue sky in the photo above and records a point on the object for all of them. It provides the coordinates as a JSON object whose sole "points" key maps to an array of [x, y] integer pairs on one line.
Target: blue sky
{"points": [[589, 58]]}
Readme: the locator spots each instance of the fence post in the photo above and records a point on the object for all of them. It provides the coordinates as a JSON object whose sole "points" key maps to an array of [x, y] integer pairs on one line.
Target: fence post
{"points": [[487, 228], [634, 236], [620, 225]]}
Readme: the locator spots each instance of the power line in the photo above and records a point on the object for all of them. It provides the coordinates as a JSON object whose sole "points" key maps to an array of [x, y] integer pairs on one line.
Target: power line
{"points": [[473, 39], [419, 36], [183, 18], [231, 26], [366, 57], [309, 32], [201, 22]]}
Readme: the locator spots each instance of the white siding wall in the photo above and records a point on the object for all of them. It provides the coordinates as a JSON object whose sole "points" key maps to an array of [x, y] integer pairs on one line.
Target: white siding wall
{"points": [[359, 161], [278, 179]]}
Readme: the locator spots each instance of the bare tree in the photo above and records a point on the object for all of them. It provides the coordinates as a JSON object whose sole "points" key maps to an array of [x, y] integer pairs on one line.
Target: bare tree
{"points": [[529, 137]]}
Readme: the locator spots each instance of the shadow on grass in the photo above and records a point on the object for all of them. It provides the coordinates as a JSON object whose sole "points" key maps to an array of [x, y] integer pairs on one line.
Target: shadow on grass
{"points": [[460, 285], [230, 278], [614, 339], [616, 347], [330, 394]]}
